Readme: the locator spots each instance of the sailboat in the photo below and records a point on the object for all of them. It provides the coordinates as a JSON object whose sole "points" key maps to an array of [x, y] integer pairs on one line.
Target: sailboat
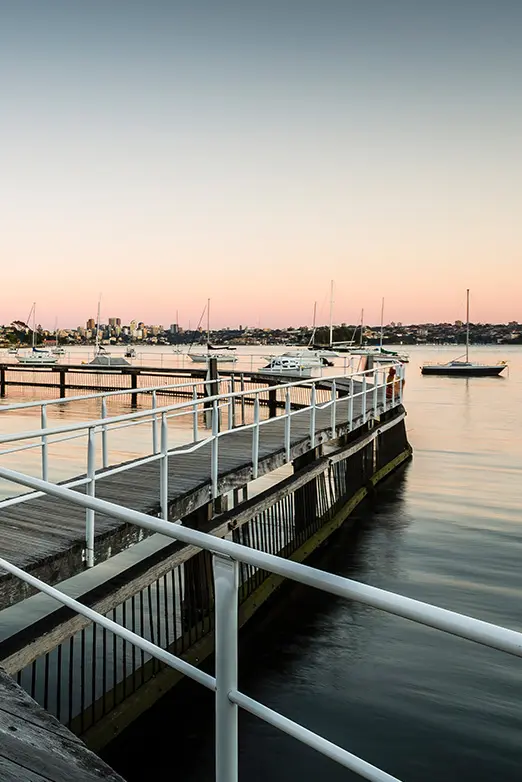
{"points": [[202, 358], [324, 351], [466, 368], [102, 357], [379, 353], [58, 350], [37, 356]]}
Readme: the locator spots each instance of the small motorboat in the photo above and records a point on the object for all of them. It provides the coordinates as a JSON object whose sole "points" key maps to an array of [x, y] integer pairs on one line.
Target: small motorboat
{"points": [[130, 353]]}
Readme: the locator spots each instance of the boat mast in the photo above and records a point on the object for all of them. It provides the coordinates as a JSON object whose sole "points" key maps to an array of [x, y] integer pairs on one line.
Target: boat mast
{"points": [[312, 338], [382, 323], [331, 311], [208, 323], [34, 325], [467, 326], [362, 325], [96, 341]]}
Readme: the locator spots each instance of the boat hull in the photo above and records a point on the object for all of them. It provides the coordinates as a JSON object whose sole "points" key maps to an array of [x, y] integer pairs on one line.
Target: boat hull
{"points": [[469, 371]]}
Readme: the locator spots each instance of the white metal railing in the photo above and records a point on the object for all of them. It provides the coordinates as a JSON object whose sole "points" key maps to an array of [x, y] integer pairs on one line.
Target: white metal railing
{"points": [[376, 397], [226, 556]]}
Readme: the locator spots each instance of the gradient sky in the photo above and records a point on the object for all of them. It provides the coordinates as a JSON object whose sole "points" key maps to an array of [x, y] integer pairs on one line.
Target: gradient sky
{"points": [[161, 152]]}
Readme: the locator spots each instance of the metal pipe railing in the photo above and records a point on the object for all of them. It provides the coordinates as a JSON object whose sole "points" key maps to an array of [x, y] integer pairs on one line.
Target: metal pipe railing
{"points": [[227, 400], [226, 556]]}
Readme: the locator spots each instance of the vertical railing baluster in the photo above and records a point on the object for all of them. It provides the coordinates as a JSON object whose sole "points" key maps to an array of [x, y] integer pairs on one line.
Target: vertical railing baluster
{"points": [[195, 413], [91, 492], [333, 408], [288, 422], [374, 397], [164, 466], [255, 438], [384, 390], [43, 417], [312, 415], [226, 581], [154, 424], [105, 448], [231, 404], [401, 372], [364, 398], [214, 448], [242, 399], [350, 404]]}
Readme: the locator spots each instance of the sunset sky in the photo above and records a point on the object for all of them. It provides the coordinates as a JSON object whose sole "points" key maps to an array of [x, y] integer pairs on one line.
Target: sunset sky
{"points": [[162, 152]]}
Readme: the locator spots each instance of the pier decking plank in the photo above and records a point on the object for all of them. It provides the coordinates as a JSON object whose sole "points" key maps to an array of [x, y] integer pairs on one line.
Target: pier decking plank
{"points": [[35, 747], [46, 536]]}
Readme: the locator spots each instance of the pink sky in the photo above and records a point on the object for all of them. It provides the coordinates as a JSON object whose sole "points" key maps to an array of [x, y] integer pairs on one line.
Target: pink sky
{"points": [[171, 160]]}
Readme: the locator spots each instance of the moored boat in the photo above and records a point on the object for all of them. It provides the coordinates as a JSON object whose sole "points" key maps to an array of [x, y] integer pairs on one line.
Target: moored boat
{"points": [[467, 368]]}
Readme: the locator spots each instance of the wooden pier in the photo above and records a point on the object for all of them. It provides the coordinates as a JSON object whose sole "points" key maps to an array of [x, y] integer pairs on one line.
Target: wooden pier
{"points": [[35, 747], [46, 536]]}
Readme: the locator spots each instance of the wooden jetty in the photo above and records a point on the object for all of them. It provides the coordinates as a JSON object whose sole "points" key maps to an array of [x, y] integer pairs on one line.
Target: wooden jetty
{"points": [[35, 747], [46, 537]]}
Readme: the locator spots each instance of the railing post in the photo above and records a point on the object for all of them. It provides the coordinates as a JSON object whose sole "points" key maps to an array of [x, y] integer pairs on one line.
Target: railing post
{"points": [[393, 393], [242, 399], [91, 492], [364, 397], [384, 389], [214, 467], [375, 398], [45, 471], [401, 373], [154, 424], [312, 415], [105, 448], [288, 421], [333, 409], [226, 581], [255, 438], [231, 404], [195, 434], [164, 464], [350, 405]]}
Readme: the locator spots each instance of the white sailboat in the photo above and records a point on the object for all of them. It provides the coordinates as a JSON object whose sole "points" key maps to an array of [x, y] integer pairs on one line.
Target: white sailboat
{"points": [[466, 368], [58, 350], [378, 352], [203, 358], [37, 356], [102, 357]]}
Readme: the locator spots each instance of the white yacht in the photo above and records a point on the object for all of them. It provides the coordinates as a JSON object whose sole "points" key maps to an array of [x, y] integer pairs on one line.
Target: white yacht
{"points": [[288, 365], [36, 356]]}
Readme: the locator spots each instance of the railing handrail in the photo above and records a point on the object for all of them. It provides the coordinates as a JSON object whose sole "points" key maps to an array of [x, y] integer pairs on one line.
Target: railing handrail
{"points": [[103, 394], [476, 630], [186, 405], [226, 556]]}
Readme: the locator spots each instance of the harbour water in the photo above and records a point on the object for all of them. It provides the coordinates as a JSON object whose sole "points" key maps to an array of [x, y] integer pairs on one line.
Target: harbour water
{"points": [[419, 704], [447, 530]]}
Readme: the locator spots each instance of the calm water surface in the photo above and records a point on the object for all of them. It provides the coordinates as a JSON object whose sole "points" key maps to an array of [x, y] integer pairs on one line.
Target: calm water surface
{"points": [[420, 704], [447, 530]]}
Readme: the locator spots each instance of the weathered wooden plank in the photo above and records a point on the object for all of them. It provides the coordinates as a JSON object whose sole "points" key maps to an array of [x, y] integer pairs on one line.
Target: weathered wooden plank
{"points": [[39, 748]]}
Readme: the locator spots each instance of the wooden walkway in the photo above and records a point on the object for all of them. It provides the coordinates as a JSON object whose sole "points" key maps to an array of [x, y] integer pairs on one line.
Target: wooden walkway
{"points": [[46, 536], [35, 747]]}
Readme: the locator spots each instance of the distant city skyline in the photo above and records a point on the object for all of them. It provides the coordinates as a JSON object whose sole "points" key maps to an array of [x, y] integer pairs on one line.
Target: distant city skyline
{"points": [[165, 152]]}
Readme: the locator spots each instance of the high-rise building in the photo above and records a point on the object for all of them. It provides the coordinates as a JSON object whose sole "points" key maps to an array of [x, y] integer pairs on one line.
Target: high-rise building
{"points": [[114, 322], [91, 324], [174, 328]]}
